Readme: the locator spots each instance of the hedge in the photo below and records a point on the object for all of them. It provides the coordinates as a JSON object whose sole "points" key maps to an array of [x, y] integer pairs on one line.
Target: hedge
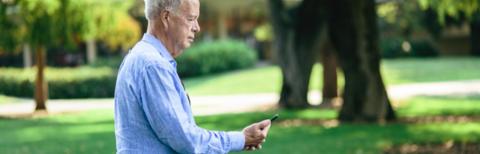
{"points": [[392, 48], [82, 82], [204, 58], [213, 57], [98, 80]]}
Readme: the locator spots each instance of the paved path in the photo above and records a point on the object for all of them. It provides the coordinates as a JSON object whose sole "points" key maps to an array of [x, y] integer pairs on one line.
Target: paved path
{"points": [[207, 105]]}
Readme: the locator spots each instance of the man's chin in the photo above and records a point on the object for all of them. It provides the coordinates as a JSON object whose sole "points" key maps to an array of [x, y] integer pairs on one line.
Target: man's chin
{"points": [[187, 45]]}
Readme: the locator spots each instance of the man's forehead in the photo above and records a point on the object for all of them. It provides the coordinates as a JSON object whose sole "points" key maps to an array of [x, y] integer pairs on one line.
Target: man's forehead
{"points": [[190, 2], [190, 6]]}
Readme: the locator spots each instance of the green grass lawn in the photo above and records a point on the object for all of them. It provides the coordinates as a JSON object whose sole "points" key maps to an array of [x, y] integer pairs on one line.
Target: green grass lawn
{"points": [[7, 99], [396, 71], [93, 132]]}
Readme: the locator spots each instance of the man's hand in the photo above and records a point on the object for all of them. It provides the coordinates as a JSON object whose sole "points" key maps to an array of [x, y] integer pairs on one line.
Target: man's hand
{"points": [[255, 134]]}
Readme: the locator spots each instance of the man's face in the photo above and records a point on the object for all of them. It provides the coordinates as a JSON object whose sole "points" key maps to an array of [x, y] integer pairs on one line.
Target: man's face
{"points": [[184, 25]]}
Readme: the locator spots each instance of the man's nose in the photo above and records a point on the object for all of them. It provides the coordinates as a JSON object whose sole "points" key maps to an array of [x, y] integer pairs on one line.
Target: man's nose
{"points": [[196, 27]]}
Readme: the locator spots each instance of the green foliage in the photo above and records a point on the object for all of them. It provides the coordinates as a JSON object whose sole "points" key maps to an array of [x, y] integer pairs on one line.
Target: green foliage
{"points": [[106, 20], [452, 8], [213, 57], [124, 34], [84, 82], [40, 20], [406, 17], [63, 22], [403, 17], [11, 33], [28, 21]]}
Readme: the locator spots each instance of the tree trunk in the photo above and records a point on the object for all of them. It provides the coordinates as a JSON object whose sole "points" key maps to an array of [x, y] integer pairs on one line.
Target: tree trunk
{"points": [[295, 35], [41, 87], [222, 28], [353, 31], [27, 56], [475, 35], [91, 51], [329, 63]]}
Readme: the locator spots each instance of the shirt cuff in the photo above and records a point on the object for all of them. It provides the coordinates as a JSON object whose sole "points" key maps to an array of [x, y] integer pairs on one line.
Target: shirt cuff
{"points": [[237, 141]]}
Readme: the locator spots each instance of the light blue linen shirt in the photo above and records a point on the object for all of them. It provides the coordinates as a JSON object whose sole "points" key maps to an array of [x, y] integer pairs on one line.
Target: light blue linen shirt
{"points": [[152, 111]]}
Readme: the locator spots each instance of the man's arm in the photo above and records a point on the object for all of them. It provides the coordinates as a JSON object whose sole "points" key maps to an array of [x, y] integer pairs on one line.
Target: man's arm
{"points": [[172, 125]]}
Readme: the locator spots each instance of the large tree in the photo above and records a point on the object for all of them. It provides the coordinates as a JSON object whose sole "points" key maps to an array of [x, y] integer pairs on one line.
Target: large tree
{"points": [[37, 19], [353, 32], [330, 83], [297, 30]]}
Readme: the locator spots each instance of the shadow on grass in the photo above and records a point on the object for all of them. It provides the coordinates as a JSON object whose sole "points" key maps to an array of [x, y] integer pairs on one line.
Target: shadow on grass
{"points": [[63, 142]]}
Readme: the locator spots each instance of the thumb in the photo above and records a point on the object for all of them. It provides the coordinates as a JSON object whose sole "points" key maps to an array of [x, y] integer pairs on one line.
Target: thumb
{"points": [[265, 123]]}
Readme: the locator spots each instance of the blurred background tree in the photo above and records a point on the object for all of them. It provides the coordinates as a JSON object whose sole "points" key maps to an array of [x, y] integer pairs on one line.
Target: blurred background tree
{"points": [[50, 23], [444, 27], [32, 21], [106, 20], [402, 23], [459, 10], [215, 13], [354, 34]]}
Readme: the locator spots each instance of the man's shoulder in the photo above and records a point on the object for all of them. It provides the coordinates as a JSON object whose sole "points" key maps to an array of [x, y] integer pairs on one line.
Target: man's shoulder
{"points": [[148, 55]]}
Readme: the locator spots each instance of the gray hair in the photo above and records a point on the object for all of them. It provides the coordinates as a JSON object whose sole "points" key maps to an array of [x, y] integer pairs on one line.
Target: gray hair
{"points": [[154, 7]]}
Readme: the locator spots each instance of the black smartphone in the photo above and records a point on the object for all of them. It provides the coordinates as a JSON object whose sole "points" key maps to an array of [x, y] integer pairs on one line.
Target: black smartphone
{"points": [[274, 118]]}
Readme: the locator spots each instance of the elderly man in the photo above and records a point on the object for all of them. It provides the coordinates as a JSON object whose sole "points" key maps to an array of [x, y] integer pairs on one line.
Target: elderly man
{"points": [[152, 110]]}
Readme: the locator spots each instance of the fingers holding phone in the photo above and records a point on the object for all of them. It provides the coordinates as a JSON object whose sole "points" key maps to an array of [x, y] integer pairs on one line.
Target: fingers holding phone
{"points": [[256, 133]]}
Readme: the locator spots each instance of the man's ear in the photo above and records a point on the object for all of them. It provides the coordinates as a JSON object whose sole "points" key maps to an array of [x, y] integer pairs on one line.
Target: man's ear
{"points": [[165, 18]]}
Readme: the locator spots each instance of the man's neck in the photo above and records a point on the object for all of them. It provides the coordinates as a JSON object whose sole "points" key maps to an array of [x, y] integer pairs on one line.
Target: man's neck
{"points": [[162, 37]]}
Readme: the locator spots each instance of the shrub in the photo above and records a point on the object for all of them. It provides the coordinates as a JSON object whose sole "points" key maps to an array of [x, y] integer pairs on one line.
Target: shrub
{"points": [[81, 82], [423, 48], [392, 48], [212, 57], [112, 62]]}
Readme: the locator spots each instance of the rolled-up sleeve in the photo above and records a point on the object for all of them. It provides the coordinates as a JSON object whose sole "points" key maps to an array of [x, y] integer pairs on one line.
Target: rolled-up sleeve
{"points": [[172, 125]]}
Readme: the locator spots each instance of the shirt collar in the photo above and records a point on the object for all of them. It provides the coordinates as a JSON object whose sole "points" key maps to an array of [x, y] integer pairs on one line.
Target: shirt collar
{"points": [[149, 38]]}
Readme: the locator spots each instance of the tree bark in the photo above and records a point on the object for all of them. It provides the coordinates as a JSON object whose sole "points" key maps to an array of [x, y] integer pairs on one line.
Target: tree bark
{"points": [[91, 51], [353, 31], [296, 32], [41, 87], [27, 56], [475, 35], [329, 63], [222, 28]]}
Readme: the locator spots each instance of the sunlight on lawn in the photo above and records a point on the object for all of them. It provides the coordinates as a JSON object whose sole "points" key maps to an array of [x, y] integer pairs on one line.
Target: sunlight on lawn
{"points": [[397, 71]]}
